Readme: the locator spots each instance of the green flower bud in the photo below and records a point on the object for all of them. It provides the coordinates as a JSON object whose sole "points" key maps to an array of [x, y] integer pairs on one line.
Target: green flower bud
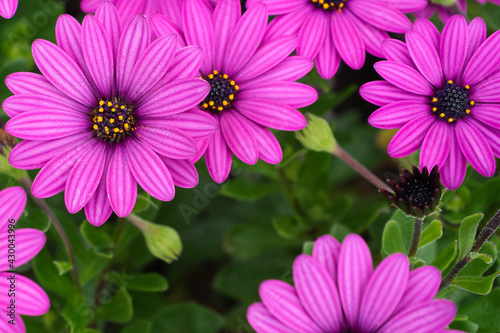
{"points": [[444, 2], [317, 135]]}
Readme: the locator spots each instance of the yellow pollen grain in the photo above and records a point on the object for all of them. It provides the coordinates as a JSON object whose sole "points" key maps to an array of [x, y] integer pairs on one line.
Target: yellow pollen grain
{"points": [[220, 108], [471, 103], [116, 105], [225, 103], [321, 1], [450, 120], [215, 72], [99, 119], [122, 107], [110, 104], [232, 82], [434, 109], [231, 97], [434, 99], [237, 87], [126, 126], [116, 130], [467, 111], [210, 76], [211, 103], [106, 129], [225, 76], [314, 0], [101, 103], [101, 110], [326, 6], [450, 81], [95, 126], [442, 115], [113, 109], [205, 105], [120, 117], [341, 5], [111, 120], [467, 87]]}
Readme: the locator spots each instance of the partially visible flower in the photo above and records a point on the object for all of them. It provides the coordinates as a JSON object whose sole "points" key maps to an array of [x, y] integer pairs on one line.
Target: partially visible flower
{"points": [[418, 193], [18, 246], [8, 8], [112, 109], [447, 8], [252, 82], [336, 290], [331, 30], [317, 135], [442, 91]]}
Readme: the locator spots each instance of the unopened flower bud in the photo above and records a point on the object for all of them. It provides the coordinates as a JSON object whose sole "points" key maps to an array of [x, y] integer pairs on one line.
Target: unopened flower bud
{"points": [[317, 135]]}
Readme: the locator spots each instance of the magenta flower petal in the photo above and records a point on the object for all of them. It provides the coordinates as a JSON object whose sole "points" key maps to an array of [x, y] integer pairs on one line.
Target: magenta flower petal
{"points": [[453, 48], [429, 31], [34, 154], [381, 16], [409, 138], [404, 77], [312, 34], [246, 37], [226, 15], [269, 147], [98, 54], [111, 23], [133, 42], [288, 24], [129, 9], [17, 328], [98, 209], [46, 124], [477, 35], [52, 178], [269, 55], [484, 61], [163, 26], [432, 154], [425, 58], [397, 114], [372, 36], [17, 104], [384, 291], [396, 50], [151, 66], [186, 64], [326, 251], [8, 8], [475, 148], [167, 141], [407, 6], [277, 7], [262, 321], [62, 71], [281, 300], [423, 284], [486, 91], [239, 137], [155, 178], [198, 30], [13, 200], [455, 167], [218, 158], [85, 177], [31, 300], [120, 184], [490, 134], [291, 69], [28, 243], [181, 95], [25, 83], [488, 114], [348, 42], [297, 95], [183, 173], [318, 293], [197, 123], [382, 93], [328, 59], [354, 271], [271, 114], [422, 318]]}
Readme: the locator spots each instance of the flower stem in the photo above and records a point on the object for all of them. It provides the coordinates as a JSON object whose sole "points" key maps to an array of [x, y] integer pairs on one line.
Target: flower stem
{"points": [[489, 229], [27, 183], [359, 168], [417, 232]]}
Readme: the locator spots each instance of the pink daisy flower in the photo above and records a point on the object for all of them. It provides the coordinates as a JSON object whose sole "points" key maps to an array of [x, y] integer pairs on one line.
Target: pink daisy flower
{"points": [[252, 82], [445, 12], [442, 91], [331, 30], [111, 110], [30, 299], [8, 8], [336, 290]]}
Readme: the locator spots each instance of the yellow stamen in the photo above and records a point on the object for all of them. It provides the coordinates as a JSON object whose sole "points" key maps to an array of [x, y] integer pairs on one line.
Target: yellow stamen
{"points": [[326, 6], [210, 76], [225, 103], [434, 99], [101, 110], [211, 103], [120, 117], [450, 81], [110, 104], [215, 72], [231, 97], [434, 109], [116, 130], [205, 105], [95, 126], [232, 82], [467, 111], [237, 87], [471, 103], [220, 108], [111, 120], [225, 76], [442, 115], [467, 87], [126, 126], [99, 119], [450, 120]]}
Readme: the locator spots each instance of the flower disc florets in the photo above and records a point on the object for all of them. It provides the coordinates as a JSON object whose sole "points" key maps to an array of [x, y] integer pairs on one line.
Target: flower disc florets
{"points": [[329, 5], [416, 194], [222, 92], [451, 102], [113, 120]]}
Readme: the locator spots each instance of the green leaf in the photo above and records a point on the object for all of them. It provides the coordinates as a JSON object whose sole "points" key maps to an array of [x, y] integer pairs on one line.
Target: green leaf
{"points": [[63, 266], [484, 257], [392, 240], [91, 330], [247, 189], [75, 313], [464, 325], [286, 226], [467, 233], [315, 165], [118, 309], [417, 262], [142, 326], [149, 282], [479, 267], [431, 234], [187, 318], [95, 236], [142, 203], [307, 247], [484, 310], [48, 276], [476, 284], [446, 257], [94, 265]]}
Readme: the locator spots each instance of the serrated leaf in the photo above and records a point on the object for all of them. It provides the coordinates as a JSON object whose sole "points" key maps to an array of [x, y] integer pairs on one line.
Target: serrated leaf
{"points": [[431, 234], [476, 284], [484, 257], [63, 266], [142, 326], [446, 257], [94, 235], [467, 233], [118, 309], [149, 282], [392, 239]]}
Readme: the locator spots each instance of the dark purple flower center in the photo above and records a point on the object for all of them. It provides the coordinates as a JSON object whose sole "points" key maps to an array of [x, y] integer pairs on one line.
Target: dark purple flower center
{"points": [[329, 5], [222, 92], [113, 120], [422, 193], [451, 102]]}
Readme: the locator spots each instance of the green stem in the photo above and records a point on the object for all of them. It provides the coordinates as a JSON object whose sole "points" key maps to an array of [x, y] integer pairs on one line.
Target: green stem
{"points": [[27, 183], [359, 168], [291, 193], [417, 233]]}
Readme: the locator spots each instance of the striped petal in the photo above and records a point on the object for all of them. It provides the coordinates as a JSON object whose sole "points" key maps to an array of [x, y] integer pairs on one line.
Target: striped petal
{"points": [[425, 58], [455, 167], [28, 242], [120, 184], [30, 299], [453, 49], [326, 251], [13, 200], [239, 137], [218, 157], [262, 321], [396, 115], [423, 284], [404, 77], [475, 148], [409, 138], [436, 145]]}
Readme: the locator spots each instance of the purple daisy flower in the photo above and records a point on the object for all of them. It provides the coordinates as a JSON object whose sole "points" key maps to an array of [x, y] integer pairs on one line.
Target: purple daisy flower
{"points": [[330, 30], [445, 12], [31, 299], [112, 109], [442, 91], [337, 291], [8, 8], [252, 82]]}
